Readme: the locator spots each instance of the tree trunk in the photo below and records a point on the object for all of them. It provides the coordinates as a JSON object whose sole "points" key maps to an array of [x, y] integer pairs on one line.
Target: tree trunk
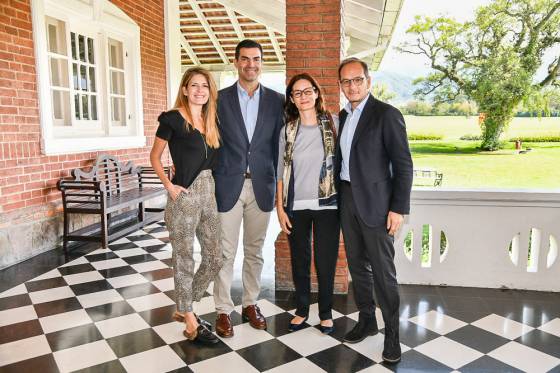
{"points": [[492, 129]]}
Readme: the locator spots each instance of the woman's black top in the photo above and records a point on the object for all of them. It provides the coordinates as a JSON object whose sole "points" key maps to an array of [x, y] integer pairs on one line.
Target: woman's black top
{"points": [[188, 148]]}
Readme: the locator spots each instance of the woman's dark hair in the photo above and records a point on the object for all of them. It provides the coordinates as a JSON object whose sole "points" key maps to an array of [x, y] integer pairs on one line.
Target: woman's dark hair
{"points": [[290, 109]]}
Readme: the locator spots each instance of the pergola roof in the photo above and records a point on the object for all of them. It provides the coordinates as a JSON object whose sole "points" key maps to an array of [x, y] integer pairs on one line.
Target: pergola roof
{"points": [[211, 28]]}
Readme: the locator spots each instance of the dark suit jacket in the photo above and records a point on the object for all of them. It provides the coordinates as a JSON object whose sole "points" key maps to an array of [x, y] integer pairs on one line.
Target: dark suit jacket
{"points": [[380, 163], [236, 152]]}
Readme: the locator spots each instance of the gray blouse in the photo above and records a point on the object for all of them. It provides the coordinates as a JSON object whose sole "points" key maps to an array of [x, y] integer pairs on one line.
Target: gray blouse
{"points": [[307, 161]]}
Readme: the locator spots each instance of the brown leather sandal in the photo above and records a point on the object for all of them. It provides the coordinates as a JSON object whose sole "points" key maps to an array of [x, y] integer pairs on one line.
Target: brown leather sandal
{"points": [[179, 317], [190, 336]]}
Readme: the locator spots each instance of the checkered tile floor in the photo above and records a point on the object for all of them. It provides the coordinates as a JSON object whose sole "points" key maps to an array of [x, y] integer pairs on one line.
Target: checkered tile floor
{"points": [[110, 311]]}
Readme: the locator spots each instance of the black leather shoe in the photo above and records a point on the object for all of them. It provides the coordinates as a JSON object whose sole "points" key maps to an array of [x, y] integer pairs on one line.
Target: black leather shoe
{"points": [[296, 327], [361, 330], [203, 322], [202, 335], [392, 347]]}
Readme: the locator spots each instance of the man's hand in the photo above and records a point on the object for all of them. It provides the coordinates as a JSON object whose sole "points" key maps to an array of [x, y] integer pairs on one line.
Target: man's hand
{"points": [[394, 222]]}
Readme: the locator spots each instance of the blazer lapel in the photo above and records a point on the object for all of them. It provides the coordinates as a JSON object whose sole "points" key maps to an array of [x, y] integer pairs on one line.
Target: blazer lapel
{"points": [[238, 117], [342, 115], [364, 121], [261, 114]]}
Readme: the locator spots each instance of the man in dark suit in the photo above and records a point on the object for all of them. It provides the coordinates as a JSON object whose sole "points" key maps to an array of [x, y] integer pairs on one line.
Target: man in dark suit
{"points": [[250, 118], [375, 170]]}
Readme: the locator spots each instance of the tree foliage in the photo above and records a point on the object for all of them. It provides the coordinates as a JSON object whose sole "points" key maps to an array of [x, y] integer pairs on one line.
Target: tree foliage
{"points": [[492, 60]]}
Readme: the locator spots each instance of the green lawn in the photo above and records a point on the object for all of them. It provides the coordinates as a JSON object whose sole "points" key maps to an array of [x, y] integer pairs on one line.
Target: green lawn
{"points": [[463, 165], [452, 128]]}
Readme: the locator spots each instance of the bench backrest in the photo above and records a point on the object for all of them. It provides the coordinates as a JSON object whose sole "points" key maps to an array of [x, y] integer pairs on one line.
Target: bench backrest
{"points": [[115, 176]]}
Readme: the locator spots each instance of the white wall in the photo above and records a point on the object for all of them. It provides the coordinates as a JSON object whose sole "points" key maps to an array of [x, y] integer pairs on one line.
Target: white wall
{"points": [[479, 226]]}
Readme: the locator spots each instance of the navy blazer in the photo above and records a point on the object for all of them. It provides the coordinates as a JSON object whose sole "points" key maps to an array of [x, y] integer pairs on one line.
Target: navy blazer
{"points": [[380, 163], [236, 152]]}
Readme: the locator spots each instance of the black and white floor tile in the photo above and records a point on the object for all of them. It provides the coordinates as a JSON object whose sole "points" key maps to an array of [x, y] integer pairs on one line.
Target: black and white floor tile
{"points": [[110, 311]]}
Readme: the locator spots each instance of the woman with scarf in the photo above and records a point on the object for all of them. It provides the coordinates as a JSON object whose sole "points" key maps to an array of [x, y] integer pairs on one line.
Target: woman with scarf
{"points": [[307, 198]]}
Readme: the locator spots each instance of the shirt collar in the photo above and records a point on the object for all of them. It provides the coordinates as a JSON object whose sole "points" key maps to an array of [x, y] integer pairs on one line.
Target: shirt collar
{"points": [[243, 93], [358, 108]]}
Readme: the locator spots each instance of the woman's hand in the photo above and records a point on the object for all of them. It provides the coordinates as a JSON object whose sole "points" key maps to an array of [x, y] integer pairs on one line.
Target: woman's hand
{"points": [[175, 190], [284, 220]]}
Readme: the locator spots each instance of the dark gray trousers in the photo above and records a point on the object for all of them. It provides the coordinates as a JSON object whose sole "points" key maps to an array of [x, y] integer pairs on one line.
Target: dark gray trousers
{"points": [[370, 254]]}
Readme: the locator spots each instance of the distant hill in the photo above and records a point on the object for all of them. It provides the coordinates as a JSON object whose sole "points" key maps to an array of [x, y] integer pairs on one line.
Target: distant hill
{"points": [[400, 84]]}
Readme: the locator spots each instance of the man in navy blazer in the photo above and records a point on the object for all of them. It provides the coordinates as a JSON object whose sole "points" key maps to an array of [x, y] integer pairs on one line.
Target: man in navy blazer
{"points": [[374, 167], [250, 118]]}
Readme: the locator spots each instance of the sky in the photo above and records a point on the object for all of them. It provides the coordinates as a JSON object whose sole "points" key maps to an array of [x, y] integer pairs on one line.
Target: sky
{"points": [[413, 65]]}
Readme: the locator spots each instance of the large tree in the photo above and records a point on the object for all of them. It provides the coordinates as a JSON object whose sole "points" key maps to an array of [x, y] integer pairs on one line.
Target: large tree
{"points": [[493, 60]]}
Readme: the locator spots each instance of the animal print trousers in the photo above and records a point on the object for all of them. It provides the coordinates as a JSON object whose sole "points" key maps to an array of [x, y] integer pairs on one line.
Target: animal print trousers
{"points": [[194, 213]]}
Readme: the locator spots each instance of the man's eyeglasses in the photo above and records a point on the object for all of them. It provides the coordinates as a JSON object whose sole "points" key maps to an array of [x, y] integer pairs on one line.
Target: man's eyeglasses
{"points": [[357, 81], [307, 92]]}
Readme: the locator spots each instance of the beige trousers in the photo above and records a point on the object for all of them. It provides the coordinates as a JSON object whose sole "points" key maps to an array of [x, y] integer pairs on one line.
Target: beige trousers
{"points": [[255, 223]]}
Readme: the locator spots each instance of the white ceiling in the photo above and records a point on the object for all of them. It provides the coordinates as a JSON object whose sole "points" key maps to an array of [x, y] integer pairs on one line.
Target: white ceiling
{"points": [[211, 29]]}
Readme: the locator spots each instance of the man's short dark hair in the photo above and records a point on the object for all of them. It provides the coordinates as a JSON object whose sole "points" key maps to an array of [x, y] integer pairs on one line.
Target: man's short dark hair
{"points": [[353, 60], [247, 43]]}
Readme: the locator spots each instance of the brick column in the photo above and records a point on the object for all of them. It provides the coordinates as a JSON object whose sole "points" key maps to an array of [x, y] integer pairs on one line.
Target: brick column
{"points": [[313, 45]]}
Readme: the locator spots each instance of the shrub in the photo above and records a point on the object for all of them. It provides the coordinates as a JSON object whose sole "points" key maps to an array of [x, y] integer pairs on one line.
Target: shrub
{"points": [[541, 138], [424, 136], [471, 137]]}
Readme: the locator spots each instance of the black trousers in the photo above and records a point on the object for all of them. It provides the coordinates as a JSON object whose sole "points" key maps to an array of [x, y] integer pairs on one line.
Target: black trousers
{"points": [[326, 236], [370, 254]]}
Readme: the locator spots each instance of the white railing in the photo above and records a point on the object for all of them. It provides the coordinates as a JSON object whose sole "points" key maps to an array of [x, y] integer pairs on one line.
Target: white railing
{"points": [[495, 239]]}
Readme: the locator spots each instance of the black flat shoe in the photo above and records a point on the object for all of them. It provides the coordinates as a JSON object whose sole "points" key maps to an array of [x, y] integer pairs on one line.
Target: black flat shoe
{"points": [[296, 327], [326, 329], [201, 335]]}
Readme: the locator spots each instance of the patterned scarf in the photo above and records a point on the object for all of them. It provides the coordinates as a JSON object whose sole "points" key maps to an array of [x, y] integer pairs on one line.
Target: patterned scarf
{"points": [[327, 191]]}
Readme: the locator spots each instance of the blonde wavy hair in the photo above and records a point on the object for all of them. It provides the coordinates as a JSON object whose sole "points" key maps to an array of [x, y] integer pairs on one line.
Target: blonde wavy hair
{"points": [[209, 109]]}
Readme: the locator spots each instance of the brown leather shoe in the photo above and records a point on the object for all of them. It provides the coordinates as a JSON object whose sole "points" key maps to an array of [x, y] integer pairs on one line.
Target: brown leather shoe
{"points": [[254, 316], [223, 325]]}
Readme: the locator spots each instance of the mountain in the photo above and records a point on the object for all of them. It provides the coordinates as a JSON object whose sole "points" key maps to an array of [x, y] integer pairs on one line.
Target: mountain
{"points": [[400, 84]]}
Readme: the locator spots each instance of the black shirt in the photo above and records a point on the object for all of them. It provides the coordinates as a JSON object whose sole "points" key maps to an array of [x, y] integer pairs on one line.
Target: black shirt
{"points": [[188, 148]]}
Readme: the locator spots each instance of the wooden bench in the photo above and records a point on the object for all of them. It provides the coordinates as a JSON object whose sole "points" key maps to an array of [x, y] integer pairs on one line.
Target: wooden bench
{"points": [[428, 174], [105, 190]]}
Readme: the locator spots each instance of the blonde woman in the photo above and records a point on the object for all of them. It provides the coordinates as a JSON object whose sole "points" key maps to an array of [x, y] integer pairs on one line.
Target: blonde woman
{"points": [[191, 131]]}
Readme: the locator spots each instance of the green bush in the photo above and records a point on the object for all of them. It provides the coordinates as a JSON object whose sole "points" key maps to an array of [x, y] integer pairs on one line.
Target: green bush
{"points": [[426, 231], [541, 138], [424, 136], [471, 137]]}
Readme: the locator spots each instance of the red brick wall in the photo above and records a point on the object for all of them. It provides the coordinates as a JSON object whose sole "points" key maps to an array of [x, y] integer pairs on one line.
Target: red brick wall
{"points": [[283, 262], [313, 41], [313, 45], [27, 177]]}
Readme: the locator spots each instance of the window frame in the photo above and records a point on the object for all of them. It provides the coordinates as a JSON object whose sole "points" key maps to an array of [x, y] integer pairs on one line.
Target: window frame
{"points": [[104, 21]]}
